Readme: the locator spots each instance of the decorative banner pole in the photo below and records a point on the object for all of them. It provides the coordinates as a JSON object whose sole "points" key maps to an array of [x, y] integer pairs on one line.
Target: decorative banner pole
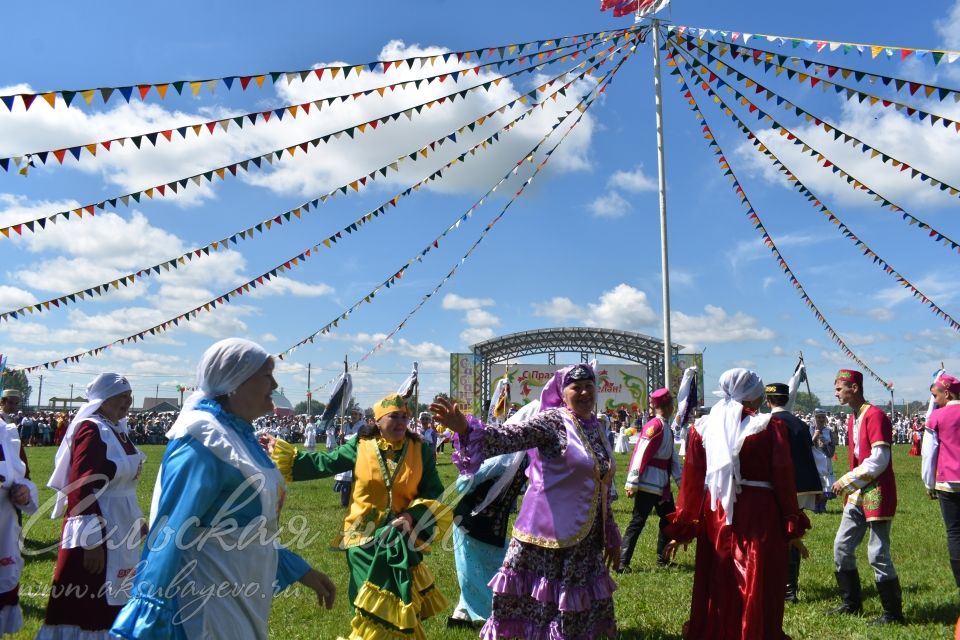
{"points": [[665, 268]]}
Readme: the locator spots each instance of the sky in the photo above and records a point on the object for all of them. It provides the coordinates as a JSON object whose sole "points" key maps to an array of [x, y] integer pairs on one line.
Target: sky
{"points": [[579, 246]]}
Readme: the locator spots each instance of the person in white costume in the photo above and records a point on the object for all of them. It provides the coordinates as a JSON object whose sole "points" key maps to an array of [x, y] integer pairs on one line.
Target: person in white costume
{"points": [[17, 494]]}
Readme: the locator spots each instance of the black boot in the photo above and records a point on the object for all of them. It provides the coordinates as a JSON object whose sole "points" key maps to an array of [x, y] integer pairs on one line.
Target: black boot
{"points": [[849, 584], [891, 598], [793, 575]]}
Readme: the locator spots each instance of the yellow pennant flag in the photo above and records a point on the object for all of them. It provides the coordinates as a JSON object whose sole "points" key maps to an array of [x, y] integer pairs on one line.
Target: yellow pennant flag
{"points": [[88, 95], [51, 99], [195, 88], [875, 51], [162, 90]]}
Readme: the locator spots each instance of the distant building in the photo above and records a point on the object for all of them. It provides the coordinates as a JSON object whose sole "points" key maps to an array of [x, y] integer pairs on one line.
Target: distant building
{"points": [[281, 406], [160, 404]]}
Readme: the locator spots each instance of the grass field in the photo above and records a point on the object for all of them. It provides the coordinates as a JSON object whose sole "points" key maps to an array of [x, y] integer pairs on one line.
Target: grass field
{"points": [[650, 603]]}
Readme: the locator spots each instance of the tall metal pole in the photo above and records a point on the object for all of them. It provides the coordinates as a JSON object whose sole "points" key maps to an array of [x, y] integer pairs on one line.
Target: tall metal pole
{"points": [[40, 391], [665, 265], [309, 397]]}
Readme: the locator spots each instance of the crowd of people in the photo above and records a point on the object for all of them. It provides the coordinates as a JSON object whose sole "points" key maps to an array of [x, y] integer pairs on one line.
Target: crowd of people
{"points": [[747, 473]]}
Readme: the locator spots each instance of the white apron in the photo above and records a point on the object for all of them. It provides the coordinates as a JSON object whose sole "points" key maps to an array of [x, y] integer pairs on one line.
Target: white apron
{"points": [[248, 568], [121, 514], [12, 472]]}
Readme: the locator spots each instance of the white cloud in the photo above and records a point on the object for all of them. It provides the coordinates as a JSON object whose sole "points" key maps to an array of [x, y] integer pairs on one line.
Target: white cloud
{"points": [[623, 307], [14, 298], [859, 340], [746, 251], [477, 334], [281, 285], [889, 131], [329, 165], [479, 322], [881, 314], [717, 326], [268, 337], [481, 318], [635, 181], [948, 27], [610, 205], [558, 309], [746, 364], [778, 351], [458, 303]]}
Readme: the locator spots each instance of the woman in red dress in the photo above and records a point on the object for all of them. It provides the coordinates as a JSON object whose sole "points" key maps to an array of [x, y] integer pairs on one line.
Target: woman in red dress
{"points": [[95, 475], [916, 437], [738, 499]]}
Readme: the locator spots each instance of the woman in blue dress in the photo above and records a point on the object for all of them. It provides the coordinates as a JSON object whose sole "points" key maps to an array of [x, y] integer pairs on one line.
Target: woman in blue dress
{"points": [[211, 564]]}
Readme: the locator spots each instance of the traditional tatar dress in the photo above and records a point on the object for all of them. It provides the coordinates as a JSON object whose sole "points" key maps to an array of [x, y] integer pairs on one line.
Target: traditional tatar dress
{"points": [[221, 494], [916, 437], [553, 583], [100, 507], [741, 566], [13, 471], [391, 589]]}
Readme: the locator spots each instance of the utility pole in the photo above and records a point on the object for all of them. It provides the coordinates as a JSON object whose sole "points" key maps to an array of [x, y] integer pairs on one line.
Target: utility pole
{"points": [[40, 391]]}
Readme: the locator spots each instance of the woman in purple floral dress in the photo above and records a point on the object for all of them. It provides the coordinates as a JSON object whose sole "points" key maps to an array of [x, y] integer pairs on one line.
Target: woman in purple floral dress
{"points": [[555, 580]]}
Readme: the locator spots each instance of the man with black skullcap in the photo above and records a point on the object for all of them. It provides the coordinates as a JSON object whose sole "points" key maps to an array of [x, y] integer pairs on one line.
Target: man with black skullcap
{"points": [[869, 490], [804, 465]]}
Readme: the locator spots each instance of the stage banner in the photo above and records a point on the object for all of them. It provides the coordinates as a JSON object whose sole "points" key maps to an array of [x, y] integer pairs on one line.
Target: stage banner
{"points": [[619, 386], [682, 361], [465, 381]]}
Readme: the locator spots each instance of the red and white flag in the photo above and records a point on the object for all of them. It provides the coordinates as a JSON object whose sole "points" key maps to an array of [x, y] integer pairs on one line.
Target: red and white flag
{"points": [[641, 8]]}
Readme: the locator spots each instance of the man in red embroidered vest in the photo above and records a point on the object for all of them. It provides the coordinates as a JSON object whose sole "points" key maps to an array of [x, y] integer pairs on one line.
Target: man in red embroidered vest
{"points": [[648, 478], [941, 461], [870, 493]]}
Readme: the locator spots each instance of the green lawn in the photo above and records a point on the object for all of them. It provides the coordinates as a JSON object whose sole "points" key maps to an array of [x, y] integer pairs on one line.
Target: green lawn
{"points": [[650, 603]]}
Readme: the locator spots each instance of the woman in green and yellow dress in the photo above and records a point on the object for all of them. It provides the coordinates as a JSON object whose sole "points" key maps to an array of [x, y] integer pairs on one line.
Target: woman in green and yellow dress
{"points": [[394, 513]]}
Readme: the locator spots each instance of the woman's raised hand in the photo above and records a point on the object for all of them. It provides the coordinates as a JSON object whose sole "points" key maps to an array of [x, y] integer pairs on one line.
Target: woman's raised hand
{"points": [[448, 414], [267, 441]]}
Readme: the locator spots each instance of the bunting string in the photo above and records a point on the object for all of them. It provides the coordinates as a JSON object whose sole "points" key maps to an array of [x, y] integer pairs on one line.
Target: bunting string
{"points": [[295, 261], [306, 207], [142, 91], [714, 146], [850, 93], [826, 125], [582, 107], [772, 60], [77, 152], [813, 152], [815, 201], [936, 56], [257, 161]]}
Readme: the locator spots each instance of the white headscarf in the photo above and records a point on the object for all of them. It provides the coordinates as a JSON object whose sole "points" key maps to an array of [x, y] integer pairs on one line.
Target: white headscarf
{"points": [[103, 387], [723, 432], [224, 367]]}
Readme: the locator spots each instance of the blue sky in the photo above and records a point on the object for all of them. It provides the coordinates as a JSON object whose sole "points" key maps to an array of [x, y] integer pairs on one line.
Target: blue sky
{"points": [[580, 246]]}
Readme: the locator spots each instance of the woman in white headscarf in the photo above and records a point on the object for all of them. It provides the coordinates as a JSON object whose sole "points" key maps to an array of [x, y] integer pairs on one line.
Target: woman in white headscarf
{"points": [[738, 499], [95, 476], [211, 564]]}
